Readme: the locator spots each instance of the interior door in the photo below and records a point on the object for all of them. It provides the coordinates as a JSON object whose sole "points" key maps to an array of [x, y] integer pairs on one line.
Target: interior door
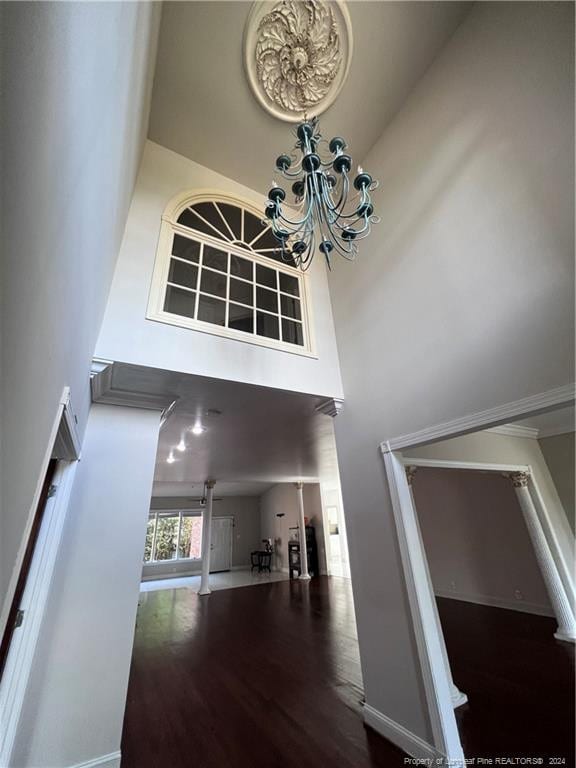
{"points": [[221, 547]]}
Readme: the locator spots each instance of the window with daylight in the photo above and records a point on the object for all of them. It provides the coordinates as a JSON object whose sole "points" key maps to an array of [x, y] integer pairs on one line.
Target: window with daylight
{"points": [[218, 269], [173, 536]]}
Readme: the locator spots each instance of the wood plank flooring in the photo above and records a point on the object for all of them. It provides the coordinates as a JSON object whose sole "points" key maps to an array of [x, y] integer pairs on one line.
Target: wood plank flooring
{"points": [[269, 677], [256, 677], [519, 681]]}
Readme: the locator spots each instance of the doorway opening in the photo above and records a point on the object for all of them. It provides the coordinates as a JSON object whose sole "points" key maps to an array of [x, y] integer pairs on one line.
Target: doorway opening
{"points": [[505, 449], [495, 615]]}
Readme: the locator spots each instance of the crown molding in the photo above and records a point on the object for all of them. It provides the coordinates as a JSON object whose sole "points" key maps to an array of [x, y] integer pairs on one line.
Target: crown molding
{"points": [[563, 429], [330, 407], [482, 420], [515, 430], [105, 392]]}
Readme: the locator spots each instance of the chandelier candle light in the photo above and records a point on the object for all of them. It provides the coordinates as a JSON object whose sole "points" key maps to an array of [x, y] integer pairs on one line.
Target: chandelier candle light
{"points": [[321, 186]]}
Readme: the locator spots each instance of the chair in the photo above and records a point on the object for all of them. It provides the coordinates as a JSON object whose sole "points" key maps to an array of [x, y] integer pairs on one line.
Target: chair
{"points": [[265, 561]]}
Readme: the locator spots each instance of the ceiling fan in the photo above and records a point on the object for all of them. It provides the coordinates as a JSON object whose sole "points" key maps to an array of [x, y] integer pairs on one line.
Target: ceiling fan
{"points": [[202, 500]]}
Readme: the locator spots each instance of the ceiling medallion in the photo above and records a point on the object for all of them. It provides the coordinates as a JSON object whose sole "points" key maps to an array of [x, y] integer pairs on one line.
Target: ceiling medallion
{"points": [[297, 55]]}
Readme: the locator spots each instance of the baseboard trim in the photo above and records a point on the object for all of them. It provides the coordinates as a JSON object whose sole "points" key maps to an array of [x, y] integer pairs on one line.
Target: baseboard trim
{"points": [[105, 761], [403, 738], [497, 602]]}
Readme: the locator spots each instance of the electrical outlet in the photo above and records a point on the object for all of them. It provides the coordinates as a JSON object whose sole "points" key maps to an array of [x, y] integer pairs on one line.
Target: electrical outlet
{"points": [[518, 595], [453, 586]]}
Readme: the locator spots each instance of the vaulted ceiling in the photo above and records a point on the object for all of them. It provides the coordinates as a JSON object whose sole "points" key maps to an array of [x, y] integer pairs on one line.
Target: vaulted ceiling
{"points": [[203, 108]]}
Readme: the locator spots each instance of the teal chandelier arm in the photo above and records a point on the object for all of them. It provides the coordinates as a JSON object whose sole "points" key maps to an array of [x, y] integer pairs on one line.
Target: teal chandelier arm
{"points": [[321, 188]]}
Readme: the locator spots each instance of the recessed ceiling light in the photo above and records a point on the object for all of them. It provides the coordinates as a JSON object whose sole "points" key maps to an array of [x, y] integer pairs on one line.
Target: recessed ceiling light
{"points": [[170, 459], [181, 445], [198, 429]]}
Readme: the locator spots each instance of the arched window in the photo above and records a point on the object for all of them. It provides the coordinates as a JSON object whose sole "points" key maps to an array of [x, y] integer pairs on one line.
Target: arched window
{"points": [[218, 270]]}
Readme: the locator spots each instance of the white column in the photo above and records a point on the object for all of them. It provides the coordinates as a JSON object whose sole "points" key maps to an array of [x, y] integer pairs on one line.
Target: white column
{"points": [[458, 697], [206, 539], [304, 575], [558, 597]]}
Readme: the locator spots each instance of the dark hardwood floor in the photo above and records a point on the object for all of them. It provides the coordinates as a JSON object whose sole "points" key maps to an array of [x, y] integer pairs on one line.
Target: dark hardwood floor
{"points": [[519, 681], [269, 677], [254, 677]]}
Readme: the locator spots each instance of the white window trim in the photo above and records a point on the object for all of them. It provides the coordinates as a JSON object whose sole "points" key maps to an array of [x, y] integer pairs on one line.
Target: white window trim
{"points": [[156, 312]]}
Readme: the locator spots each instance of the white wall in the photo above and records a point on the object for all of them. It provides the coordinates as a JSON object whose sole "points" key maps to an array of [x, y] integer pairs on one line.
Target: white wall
{"points": [[283, 499], [560, 456], [279, 500], [128, 337], [76, 87], [245, 535], [462, 298], [74, 705], [313, 511], [476, 541]]}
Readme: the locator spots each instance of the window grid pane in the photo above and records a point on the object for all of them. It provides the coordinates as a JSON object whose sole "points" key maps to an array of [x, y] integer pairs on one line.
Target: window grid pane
{"points": [[179, 301], [183, 273], [173, 536], [290, 307], [292, 332], [241, 292], [231, 291]]}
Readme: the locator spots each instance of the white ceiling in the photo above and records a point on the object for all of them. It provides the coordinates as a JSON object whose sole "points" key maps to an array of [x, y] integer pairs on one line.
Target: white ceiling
{"points": [[263, 436], [223, 488], [203, 108]]}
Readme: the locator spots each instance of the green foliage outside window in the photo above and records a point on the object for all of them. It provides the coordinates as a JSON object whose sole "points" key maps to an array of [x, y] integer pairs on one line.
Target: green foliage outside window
{"points": [[166, 537], [166, 527], [149, 539]]}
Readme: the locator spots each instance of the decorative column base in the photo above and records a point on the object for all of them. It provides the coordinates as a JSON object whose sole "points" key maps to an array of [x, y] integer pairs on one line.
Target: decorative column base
{"points": [[305, 577], [564, 636], [204, 591]]}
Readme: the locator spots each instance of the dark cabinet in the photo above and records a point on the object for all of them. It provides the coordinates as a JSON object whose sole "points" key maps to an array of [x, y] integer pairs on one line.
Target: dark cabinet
{"points": [[294, 554]]}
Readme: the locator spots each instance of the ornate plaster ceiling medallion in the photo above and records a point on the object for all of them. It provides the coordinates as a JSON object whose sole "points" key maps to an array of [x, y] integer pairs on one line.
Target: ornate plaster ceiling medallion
{"points": [[297, 55]]}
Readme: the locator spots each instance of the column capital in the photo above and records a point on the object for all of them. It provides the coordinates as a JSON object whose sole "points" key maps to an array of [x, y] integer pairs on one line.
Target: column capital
{"points": [[330, 407], [410, 473], [519, 479], [299, 485], [210, 483]]}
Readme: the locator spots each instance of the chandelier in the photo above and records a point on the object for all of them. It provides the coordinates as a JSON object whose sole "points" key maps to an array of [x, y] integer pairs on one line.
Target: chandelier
{"points": [[321, 186]]}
